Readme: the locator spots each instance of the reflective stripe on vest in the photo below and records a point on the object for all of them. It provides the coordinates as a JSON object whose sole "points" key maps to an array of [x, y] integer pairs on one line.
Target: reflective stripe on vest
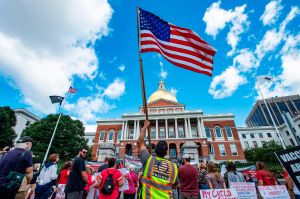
{"points": [[151, 187]]}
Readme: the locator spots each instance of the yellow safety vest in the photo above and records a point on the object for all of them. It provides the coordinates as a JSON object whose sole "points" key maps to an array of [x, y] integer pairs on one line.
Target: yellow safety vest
{"points": [[157, 180]]}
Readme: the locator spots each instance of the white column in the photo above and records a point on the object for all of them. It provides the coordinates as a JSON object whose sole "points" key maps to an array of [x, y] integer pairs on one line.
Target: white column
{"points": [[203, 127], [176, 130], [125, 130], [156, 129], [200, 133], [167, 132], [186, 129], [138, 129], [134, 129], [123, 125], [189, 127]]}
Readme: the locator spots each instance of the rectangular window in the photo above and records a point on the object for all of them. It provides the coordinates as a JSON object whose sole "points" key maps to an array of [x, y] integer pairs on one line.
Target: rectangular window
{"points": [[180, 132], [119, 135], [131, 133], [243, 135], [287, 133], [207, 132], [222, 149], [252, 135], [228, 131], [153, 132], [162, 132], [102, 135], [269, 135], [292, 142], [294, 130], [233, 149], [171, 132], [194, 132], [260, 135], [255, 144], [246, 144]]}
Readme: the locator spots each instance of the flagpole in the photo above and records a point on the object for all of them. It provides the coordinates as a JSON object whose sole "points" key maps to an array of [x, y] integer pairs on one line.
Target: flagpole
{"points": [[54, 131], [142, 80], [278, 134]]}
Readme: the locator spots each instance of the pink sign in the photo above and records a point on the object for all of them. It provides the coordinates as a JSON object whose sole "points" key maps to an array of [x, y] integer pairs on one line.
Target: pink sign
{"points": [[218, 194]]}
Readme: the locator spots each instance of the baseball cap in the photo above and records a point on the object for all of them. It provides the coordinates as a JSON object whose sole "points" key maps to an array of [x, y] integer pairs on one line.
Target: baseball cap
{"points": [[25, 139]]}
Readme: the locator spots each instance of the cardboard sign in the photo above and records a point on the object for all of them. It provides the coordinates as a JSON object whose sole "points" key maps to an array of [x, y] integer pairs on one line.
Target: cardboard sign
{"points": [[125, 186], [133, 162], [244, 190], [290, 159], [218, 194], [273, 192]]}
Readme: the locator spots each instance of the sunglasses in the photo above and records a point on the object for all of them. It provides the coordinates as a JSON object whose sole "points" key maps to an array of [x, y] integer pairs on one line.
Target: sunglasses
{"points": [[84, 152]]}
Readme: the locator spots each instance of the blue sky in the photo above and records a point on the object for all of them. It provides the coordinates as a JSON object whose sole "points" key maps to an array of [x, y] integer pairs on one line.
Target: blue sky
{"points": [[46, 46]]}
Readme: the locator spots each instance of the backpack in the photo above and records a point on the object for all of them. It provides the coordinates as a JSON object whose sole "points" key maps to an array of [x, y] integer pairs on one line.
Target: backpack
{"points": [[109, 184]]}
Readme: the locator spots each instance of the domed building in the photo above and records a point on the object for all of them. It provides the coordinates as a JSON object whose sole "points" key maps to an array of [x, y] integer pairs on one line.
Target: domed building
{"points": [[204, 137]]}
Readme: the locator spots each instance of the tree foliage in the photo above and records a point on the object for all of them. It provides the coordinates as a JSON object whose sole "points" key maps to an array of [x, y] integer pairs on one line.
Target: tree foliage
{"points": [[7, 122], [264, 153], [69, 137]]}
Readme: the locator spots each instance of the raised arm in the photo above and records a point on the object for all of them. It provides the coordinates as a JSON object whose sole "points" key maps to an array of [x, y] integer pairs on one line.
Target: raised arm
{"points": [[140, 141]]}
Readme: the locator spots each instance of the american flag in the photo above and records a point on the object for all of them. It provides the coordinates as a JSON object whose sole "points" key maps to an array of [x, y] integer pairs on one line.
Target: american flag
{"points": [[180, 46], [72, 90]]}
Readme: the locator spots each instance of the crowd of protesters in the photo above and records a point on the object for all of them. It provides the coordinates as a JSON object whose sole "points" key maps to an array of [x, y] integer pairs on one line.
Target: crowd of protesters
{"points": [[158, 178]]}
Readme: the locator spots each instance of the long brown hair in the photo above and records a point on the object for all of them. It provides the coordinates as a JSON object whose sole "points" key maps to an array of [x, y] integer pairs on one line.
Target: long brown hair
{"points": [[261, 166], [67, 165], [212, 168]]}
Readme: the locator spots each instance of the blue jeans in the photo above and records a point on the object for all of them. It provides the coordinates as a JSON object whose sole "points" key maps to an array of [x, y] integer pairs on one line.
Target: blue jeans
{"points": [[43, 191], [203, 186]]}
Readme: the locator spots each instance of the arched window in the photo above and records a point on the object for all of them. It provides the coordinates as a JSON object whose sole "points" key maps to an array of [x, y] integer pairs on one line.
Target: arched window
{"points": [[207, 132], [111, 135], [218, 132], [228, 131]]}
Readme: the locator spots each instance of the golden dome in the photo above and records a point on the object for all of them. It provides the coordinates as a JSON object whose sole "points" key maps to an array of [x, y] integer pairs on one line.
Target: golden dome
{"points": [[162, 93]]}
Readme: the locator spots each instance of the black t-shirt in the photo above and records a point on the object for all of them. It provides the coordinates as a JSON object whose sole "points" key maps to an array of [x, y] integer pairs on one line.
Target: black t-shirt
{"points": [[102, 167], [75, 181], [9, 162]]}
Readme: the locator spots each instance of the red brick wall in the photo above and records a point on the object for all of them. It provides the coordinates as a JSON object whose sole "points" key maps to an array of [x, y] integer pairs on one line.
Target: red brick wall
{"points": [[225, 141]]}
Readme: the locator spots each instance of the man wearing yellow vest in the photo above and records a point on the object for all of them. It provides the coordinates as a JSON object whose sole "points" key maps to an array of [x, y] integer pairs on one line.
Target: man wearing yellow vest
{"points": [[159, 175]]}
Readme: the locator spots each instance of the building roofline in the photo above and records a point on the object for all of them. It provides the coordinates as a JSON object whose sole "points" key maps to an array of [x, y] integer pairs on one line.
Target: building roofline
{"points": [[27, 113]]}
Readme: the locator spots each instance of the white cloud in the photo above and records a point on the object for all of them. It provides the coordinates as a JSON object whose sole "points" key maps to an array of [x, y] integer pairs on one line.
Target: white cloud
{"points": [[225, 84], [174, 91], [115, 89], [163, 73], [245, 61], [122, 68], [271, 13], [269, 42], [87, 108], [113, 60], [161, 64], [42, 51], [217, 18], [102, 76], [273, 38]]}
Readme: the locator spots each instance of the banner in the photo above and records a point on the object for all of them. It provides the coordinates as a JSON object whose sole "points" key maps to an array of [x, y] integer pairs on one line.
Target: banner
{"points": [[290, 159], [250, 170], [133, 162], [218, 194], [274, 192], [244, 190], [126, 185]]}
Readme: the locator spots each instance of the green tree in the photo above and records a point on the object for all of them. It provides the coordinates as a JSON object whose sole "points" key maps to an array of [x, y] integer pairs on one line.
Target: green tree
{"points": [[69, 137], [264, 153], [7, 122]]}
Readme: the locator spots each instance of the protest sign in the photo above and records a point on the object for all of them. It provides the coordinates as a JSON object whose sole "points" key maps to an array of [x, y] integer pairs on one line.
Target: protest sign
{"points": [[133, 162], [125, 186], [244, 190], [290, 159], [273, 192], [218, 194]]}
